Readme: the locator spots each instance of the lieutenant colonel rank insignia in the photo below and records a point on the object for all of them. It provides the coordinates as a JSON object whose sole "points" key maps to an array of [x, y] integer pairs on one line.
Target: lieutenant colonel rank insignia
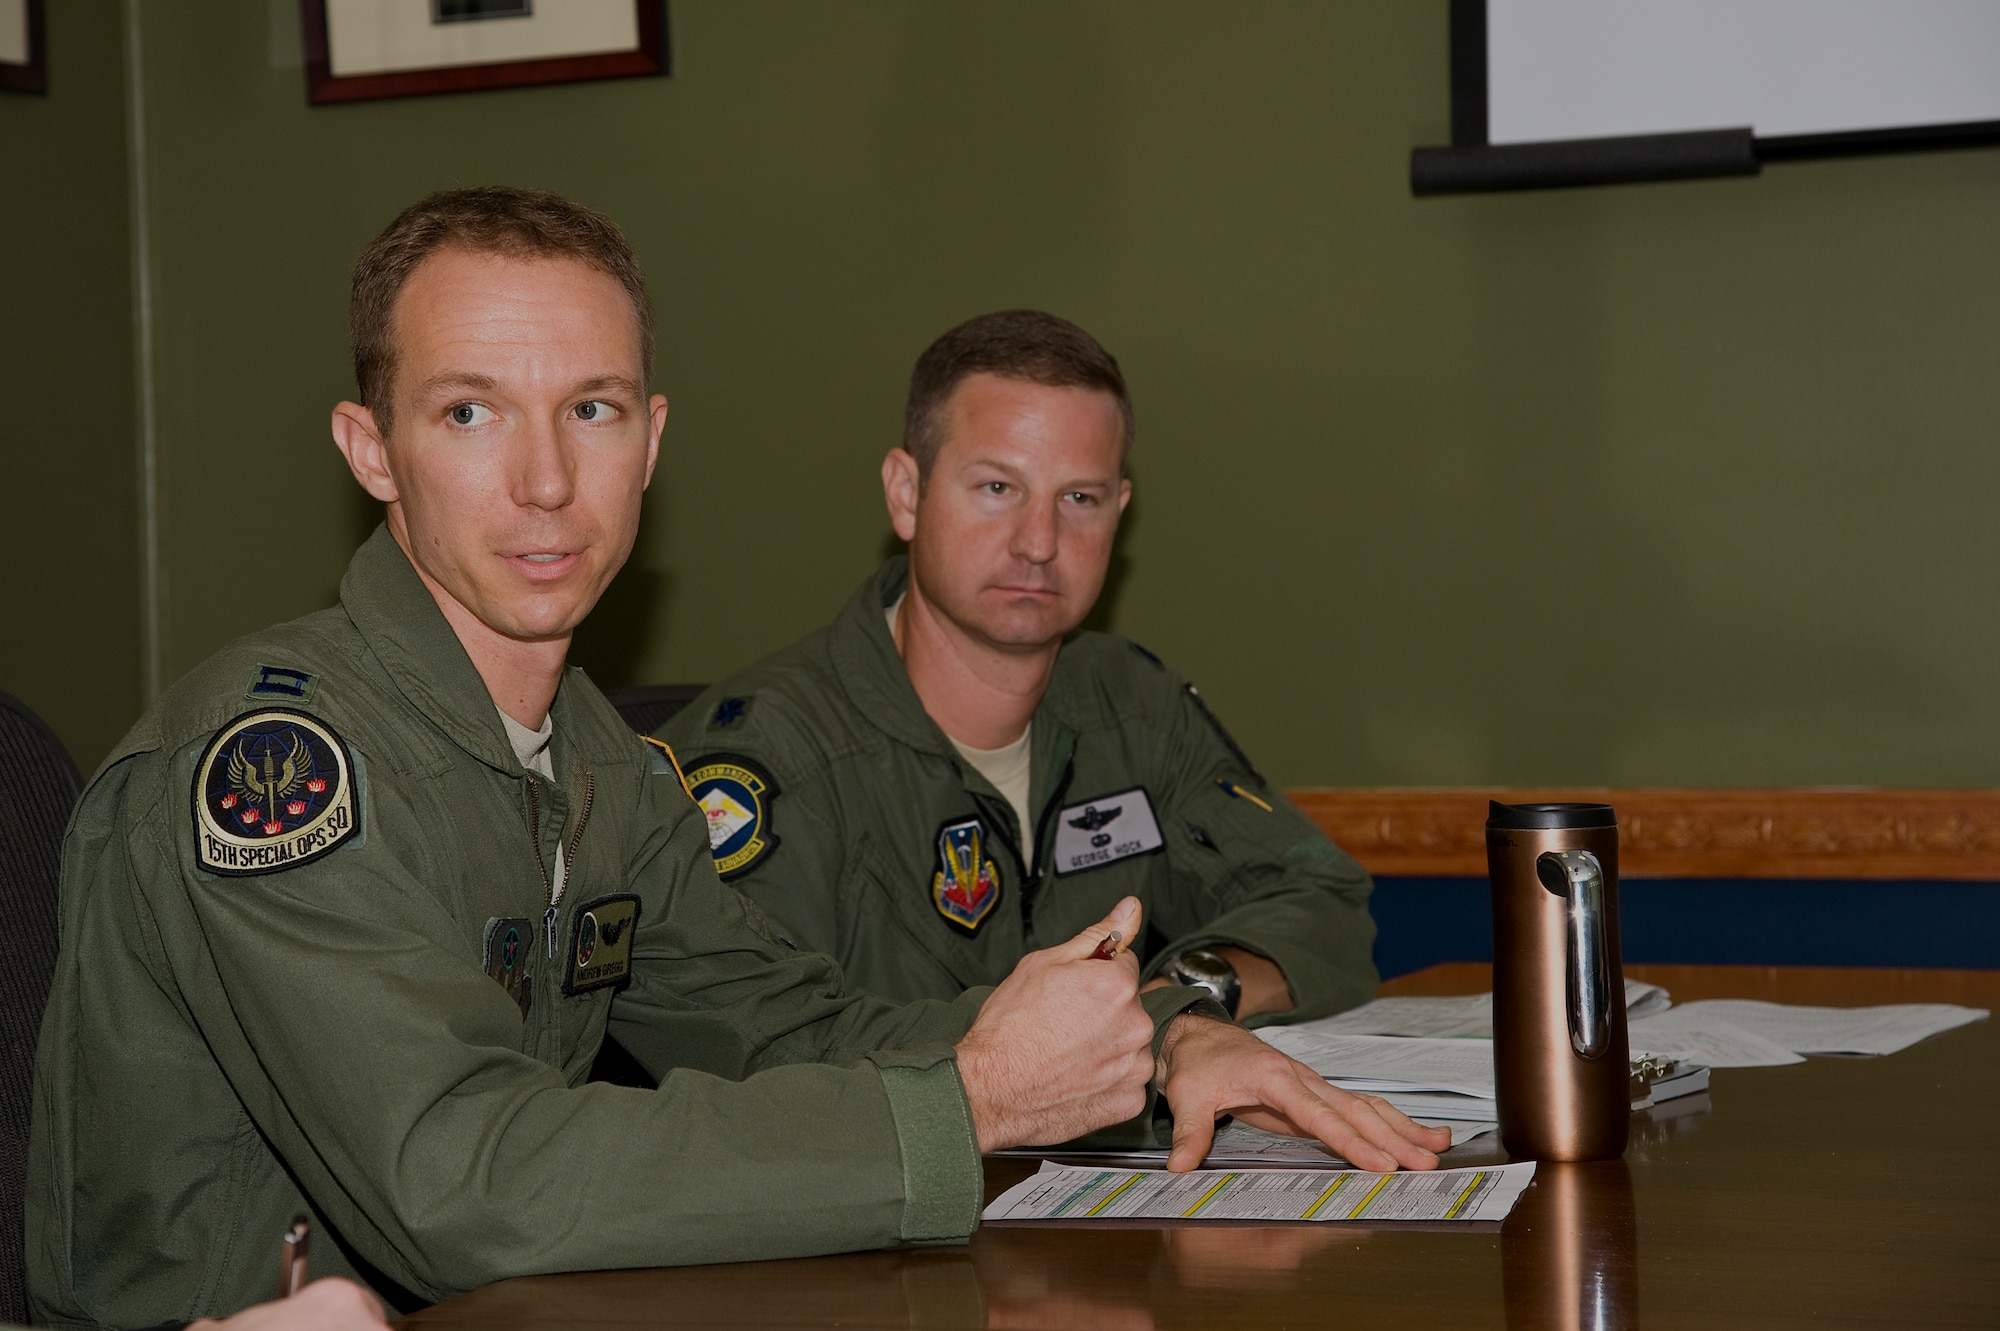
{"points": [[1105, 830], [966, 886], [601, 944], [274, 790], [735, 795]]}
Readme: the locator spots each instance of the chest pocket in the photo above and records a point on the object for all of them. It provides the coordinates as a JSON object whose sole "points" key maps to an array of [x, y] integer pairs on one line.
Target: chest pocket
{"points": [[894, 942]]}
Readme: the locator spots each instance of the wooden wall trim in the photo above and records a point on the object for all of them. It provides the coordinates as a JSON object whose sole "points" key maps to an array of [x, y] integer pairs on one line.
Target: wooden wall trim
{"points": [[1911, 834]]}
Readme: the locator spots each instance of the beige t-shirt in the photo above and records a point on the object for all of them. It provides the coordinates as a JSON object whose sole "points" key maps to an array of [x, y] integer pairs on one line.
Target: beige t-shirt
{"points": [[1007, 767], [532, 748]]}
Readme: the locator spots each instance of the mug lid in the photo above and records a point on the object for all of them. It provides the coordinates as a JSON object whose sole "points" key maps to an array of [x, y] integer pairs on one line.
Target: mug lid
{"points": [[1548, 817]]}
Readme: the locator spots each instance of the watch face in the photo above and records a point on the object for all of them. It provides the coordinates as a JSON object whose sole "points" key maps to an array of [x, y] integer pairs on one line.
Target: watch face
{"points": [[1205, 966]]}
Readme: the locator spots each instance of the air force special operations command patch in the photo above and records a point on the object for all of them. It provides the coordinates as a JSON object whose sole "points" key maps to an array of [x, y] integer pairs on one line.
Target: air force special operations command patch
{"points": [[273, 790], [735, 795]]}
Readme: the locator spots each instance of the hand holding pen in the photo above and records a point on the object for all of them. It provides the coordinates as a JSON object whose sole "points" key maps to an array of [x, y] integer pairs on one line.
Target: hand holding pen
{"points": [[331, 1304], [1062, 1046]]}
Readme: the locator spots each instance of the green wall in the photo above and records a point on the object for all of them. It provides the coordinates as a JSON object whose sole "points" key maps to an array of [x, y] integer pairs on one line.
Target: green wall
{"points": [[70, 603], [1673, 484]]}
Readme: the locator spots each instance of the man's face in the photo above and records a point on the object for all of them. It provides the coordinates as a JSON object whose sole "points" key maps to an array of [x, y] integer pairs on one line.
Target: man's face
{"points": [[523, 438], [1011, 537]]}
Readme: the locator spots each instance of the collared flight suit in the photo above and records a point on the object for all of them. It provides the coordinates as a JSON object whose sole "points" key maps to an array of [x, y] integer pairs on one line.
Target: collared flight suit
{"points": [[221, 1052], [863, 785]]}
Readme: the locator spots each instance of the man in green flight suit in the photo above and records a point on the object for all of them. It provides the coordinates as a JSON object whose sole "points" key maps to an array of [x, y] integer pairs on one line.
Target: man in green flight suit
{"points": [[949, 775], [349, 912]]}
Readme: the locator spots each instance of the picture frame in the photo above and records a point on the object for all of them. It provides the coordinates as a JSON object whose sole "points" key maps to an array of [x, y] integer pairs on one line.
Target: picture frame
{"points": [[24, 32], [362, 50]]}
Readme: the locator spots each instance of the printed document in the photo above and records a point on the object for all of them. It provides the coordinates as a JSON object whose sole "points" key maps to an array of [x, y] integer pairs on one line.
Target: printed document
{"points": [[1685, 1034], [1834, 1030], [1378, 1063], [1067, 1192], [1466, 1015], [1241, 1144]]}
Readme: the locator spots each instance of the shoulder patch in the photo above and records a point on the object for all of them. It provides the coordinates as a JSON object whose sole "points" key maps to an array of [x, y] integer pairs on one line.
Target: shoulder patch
{"points": [[735, 795], [273, 790], [966, 886], [1228, 740], [729, 713], [281, 684]]}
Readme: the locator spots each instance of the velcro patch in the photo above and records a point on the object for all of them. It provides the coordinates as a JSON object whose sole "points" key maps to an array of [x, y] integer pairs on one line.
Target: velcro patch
{"points": [[729, 713], [735, 796], [273, 790], [1105, 830], [966, 886], [281, 684], [508, 947], [600, 951]]}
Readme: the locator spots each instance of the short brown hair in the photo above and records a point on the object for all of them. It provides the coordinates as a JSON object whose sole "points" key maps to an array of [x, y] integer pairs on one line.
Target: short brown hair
{"points": [[1027, 345], [491, 219]]}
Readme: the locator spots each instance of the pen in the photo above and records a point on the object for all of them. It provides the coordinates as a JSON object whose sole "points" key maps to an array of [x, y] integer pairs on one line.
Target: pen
{"points": [[292, 1257], [1108, 949]]}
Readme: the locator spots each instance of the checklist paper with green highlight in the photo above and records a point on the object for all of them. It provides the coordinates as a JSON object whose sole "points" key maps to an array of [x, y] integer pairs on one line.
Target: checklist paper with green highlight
{"points": [[1070, 1193]]}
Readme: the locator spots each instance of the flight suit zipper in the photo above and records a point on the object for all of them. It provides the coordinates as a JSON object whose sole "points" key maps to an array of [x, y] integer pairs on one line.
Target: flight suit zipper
{"points": [[555, 889], [1031, 875]]}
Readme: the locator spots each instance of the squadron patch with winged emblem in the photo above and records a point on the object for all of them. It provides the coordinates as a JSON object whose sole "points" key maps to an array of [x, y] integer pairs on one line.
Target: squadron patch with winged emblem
{"points": [[966, 886], [1105, 830], [274, 790]]}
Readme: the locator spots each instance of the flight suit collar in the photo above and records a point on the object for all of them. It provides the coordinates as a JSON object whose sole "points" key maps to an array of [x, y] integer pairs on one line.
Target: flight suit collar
{"points": [[409, 635], [872, 673]]}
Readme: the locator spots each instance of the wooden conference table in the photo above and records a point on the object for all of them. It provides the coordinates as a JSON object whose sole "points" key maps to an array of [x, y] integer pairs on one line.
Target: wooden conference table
{"points": [[1835, 1192]]}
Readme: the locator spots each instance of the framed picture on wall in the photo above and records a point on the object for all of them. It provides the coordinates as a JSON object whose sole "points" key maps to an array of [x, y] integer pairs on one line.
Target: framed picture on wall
{"points": [[24, 51], [357, 50]]}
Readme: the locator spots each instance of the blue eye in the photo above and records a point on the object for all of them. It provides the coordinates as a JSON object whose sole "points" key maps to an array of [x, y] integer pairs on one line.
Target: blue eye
{"points": [[467, 414], [595, 410]]}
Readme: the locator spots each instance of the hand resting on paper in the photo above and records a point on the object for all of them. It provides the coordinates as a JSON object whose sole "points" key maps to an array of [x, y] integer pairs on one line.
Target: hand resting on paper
{"points": [[1209, 1068]]}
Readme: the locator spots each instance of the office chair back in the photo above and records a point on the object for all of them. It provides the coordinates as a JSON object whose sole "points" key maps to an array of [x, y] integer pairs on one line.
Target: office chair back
{"points": [[38, 789], [646, 707]]}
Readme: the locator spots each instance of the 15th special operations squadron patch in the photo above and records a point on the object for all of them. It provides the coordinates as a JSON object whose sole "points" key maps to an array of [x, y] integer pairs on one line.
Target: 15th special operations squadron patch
{"points": [[274, 790]]}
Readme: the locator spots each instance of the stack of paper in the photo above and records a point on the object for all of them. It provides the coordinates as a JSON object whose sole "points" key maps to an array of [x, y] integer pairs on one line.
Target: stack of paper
{"points": [[1432, 1058], [1738, 1033], [1466, 1016], [1062, 1192], [1425, 1078]]}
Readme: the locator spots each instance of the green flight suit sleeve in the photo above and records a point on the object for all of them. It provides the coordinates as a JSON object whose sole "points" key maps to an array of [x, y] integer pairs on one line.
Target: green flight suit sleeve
{"points": [[382, 1065], [1250, 870]]}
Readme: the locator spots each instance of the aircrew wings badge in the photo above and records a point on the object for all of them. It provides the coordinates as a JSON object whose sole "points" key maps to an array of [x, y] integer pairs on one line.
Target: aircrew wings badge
{"points": [[735, 796], [966, 886], [273, 790]]}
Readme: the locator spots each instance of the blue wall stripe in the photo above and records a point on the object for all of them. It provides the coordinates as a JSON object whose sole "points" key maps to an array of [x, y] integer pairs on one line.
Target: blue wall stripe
{"points": [[1719, 921]]}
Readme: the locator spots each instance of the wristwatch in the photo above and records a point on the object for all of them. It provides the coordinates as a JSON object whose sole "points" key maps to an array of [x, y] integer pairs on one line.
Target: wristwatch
{"points": [[1198, 968]]}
